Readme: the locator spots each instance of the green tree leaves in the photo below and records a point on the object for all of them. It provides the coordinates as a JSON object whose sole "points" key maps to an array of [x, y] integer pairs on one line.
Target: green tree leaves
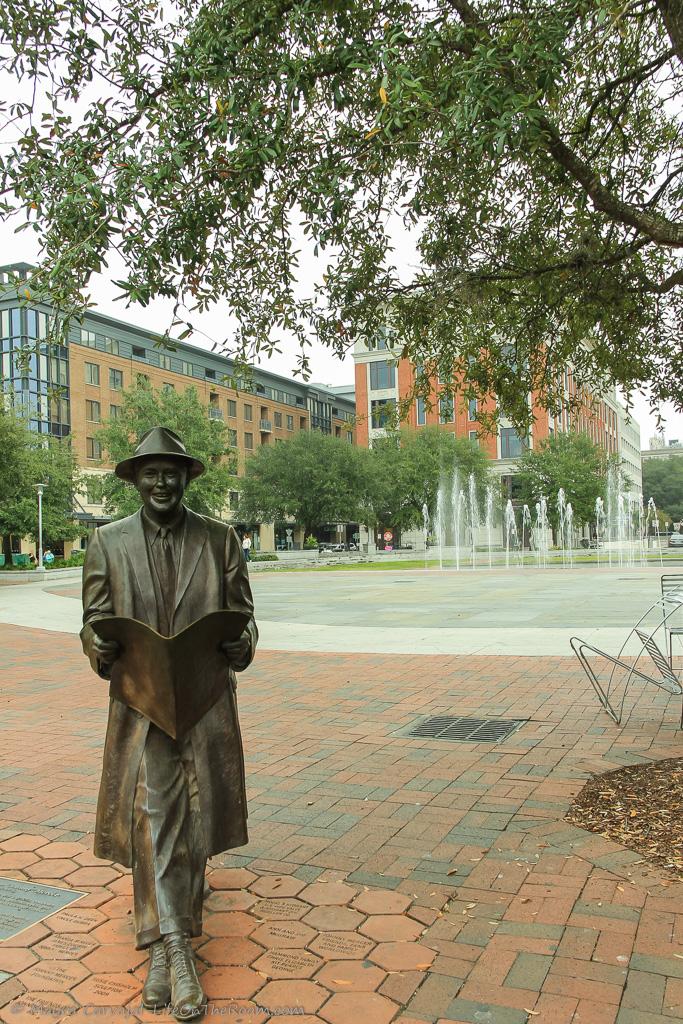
{"points": [[316, 479], [567, 460], [533, 148], [313, 478], [406, 468], [29, 459], [663, 481]]}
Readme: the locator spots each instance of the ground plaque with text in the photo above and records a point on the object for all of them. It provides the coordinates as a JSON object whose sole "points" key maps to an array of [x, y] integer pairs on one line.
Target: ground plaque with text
{"points": [[23, 904]]}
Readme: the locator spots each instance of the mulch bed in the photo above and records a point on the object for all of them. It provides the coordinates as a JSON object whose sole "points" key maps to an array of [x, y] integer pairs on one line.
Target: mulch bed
{"points": [[641, 807]]}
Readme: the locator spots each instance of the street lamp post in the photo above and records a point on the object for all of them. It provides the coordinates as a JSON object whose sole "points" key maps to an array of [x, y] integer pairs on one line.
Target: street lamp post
{"points": [[40, 488]]}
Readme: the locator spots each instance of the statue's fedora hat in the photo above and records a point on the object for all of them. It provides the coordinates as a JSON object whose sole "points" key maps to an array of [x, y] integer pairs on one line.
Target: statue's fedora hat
{"points": [[159, 441]]}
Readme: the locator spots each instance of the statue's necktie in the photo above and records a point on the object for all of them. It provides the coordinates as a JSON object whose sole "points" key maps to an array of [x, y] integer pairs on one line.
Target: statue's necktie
{"points": [[166, 568]]}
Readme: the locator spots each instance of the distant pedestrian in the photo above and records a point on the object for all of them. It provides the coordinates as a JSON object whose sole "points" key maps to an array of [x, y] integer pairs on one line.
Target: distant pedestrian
{"points": [[246, 547]]}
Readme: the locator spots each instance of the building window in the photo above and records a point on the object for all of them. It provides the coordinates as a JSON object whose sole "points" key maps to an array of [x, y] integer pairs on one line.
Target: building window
{"points": [[92, 373], [115, 379], [382, 375], [141, 379], [165, 362], [248, 413], [111, 345], [421, 412], [290, 423], [277, 419], [382, 412], [302, 422], [92, 448], [232, 437], [249, 441], [472, 409], [210, 374], [92, 411], [474, 437], [349, 436], [139, 353], [167, 386], [446, 409], [232, 407], [234, 498], [187, 369], [58, 371], [511, 444], [114, 411]]}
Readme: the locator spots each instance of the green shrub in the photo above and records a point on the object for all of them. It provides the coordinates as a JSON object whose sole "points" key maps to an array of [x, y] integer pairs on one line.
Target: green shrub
{"points": [[310, 542], [75, 559], [264, 557]]}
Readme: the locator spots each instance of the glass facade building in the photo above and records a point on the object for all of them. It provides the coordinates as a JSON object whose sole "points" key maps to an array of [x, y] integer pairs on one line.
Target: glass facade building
{"points": [[35, 372]]}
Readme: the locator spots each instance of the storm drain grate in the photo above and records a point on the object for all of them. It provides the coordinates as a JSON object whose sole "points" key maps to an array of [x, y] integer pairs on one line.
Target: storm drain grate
{"points": [[470, 730]]}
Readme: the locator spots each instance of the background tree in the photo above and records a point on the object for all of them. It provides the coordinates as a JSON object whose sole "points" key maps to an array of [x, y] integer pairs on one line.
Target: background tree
{"points": [[313, 478], [28, 459], [407, 466], [204, 438], [569, 460], [533, 149], [663, 481]]}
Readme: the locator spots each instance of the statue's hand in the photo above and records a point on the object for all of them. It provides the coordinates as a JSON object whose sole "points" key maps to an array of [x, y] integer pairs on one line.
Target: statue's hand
{"points": [[107, 650], [237, 651]]}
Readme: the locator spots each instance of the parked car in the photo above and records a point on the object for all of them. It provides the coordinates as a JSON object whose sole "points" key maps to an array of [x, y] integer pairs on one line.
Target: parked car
{"points": [[676, 540]]}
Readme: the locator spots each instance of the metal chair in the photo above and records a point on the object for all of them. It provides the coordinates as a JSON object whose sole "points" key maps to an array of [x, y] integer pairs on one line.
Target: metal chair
{"points": [[644, 654], [671, 583]]}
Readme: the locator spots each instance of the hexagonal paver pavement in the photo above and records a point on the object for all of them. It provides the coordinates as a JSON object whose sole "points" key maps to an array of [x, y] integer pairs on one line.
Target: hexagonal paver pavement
{"points": [[230, 878], [351, 976], [277, 885], [280, 996], [230, 952], [351, 1007], [381, 902], [327, 894], [288, 963], [403, 956], [391, 928], [280, 910], [334, 919], [273, 947], [240, 982], [341, 946], [53, 975], [284, 935]]}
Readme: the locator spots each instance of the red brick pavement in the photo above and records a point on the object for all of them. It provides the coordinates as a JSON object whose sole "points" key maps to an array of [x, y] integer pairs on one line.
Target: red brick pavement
{"points": [[387, 878]]}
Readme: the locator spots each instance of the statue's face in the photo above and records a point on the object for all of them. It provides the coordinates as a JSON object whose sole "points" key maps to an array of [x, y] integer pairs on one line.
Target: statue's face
{"points": [[161, 483]]}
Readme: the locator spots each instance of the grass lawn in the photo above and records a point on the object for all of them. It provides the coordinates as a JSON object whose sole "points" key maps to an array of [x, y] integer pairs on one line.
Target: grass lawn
{"points": [[554, 560]]}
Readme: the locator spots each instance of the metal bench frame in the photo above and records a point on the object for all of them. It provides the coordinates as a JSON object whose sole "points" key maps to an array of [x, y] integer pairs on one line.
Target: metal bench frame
{"points": [[666, 678]]}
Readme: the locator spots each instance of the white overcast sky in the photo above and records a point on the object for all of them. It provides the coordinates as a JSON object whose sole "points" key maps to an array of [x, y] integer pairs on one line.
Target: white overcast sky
{"points": [[214, 325]]}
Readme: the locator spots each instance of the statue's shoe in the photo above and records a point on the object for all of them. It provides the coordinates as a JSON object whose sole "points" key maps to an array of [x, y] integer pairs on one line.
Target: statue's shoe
{"points": [[157, 988], [187, 996]]}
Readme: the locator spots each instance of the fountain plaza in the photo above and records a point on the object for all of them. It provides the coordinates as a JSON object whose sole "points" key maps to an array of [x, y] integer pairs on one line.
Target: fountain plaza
{"points": [[392, 876]]}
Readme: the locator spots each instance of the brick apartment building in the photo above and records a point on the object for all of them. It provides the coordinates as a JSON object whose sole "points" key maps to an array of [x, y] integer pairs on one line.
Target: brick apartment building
{"points": [[104, 356], [382, 381]]}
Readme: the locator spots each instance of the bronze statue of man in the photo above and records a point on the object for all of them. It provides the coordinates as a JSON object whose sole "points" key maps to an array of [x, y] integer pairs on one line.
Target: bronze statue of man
{"points": [[166, 805]]}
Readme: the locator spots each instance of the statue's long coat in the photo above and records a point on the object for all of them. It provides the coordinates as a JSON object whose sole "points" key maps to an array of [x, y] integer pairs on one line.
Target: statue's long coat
{"points": [[117, 580]]}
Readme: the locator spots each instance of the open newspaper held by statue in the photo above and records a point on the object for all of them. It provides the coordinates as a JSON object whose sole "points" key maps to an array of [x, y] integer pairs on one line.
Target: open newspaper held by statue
{"points": [[172, 680]]}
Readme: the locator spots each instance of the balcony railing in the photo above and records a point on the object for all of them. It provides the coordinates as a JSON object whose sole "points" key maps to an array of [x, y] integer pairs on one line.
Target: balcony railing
{"points": [[266, 426]]}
